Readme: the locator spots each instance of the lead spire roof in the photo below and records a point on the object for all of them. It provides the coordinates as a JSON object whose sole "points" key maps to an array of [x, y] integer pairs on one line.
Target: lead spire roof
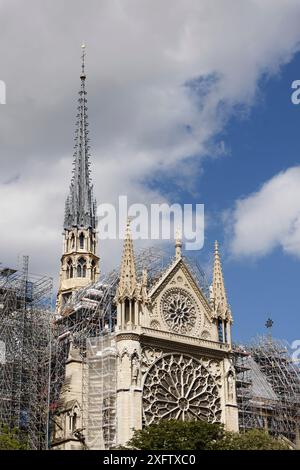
{"points": [[80, 210]]}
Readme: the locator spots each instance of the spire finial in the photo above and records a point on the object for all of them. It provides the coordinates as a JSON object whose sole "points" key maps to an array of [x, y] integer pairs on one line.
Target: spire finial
{"points": [[178, 243], [128, 222], [81, 204], [83, 76], [218, 288]]}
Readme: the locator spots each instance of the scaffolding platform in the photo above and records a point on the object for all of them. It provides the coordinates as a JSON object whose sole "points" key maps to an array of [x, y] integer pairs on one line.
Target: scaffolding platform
{"points": [[25, 315]]}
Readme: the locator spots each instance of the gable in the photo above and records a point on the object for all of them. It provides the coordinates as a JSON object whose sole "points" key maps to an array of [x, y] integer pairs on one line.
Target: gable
{"points": [[178, 273], [177, 287]]}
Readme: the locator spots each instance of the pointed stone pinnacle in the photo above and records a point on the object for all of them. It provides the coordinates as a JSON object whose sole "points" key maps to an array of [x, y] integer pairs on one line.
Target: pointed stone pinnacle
{"points": [[218, 288], [128, 281]]}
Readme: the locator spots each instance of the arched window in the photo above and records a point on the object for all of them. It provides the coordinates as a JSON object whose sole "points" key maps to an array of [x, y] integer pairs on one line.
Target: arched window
{"points": [[72, 242], [81, 240], [74, 421], [225, 332], [127, 311], [93, 270], [69, 269], [81, 268], [220, 330]]}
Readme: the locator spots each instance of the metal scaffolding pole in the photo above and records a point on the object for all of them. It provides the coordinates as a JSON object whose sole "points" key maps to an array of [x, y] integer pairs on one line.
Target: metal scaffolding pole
{"points": [[25, 311], [272, 381], [89, 315]]}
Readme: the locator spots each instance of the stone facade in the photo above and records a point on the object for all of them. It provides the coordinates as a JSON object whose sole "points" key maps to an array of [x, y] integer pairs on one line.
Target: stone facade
{"points": [[79, 262], [174, 349], [68, 419], [173, 345], [172, 356]]}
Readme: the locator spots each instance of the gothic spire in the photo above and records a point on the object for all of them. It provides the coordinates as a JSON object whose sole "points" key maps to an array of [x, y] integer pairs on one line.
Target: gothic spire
{"points": [[128, 282], [218, 288], [80, 208]]}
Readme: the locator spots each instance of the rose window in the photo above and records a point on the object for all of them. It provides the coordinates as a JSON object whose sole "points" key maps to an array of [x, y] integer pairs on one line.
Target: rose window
{"points": [[179, 310], [180, 387]]}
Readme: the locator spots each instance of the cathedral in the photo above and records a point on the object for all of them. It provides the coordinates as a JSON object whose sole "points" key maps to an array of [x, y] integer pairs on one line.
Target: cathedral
{"points": [[141, 349]]}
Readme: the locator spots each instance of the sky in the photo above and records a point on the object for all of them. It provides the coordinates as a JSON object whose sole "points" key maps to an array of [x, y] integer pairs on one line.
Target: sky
{"points": [[188, 102]]}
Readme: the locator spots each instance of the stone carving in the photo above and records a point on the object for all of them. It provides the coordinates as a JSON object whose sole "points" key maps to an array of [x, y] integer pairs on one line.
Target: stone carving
{"points": [[123, 353], [214, 368], [178, 310], [135, 370], [205, 334], [230, 385], [149, 355], [178, 386], [155, 324]]}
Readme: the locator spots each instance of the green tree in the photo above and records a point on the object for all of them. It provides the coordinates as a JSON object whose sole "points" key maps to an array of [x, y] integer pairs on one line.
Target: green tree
{"points": [[200, 435], [177, 435], [11, 439], [254, 439]]}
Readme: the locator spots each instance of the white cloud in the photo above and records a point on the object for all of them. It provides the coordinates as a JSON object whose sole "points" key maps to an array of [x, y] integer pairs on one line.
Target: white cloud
{"points": [[269, 218], [144, 118]]}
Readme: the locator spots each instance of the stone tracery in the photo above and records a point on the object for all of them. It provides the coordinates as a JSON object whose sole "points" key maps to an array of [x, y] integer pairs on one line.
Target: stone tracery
{"points": [[179, 310], [178, 386]]}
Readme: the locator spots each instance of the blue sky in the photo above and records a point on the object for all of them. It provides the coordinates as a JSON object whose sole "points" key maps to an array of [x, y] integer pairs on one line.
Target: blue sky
{"points": [[262, 144]]}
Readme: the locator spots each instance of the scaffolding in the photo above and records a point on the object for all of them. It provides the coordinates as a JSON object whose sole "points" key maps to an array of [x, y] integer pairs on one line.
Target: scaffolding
{"points": [[87, 320], [243, 387], [268, 387], [99, 386], [25, 311], [268, 381], [89, 314]]}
